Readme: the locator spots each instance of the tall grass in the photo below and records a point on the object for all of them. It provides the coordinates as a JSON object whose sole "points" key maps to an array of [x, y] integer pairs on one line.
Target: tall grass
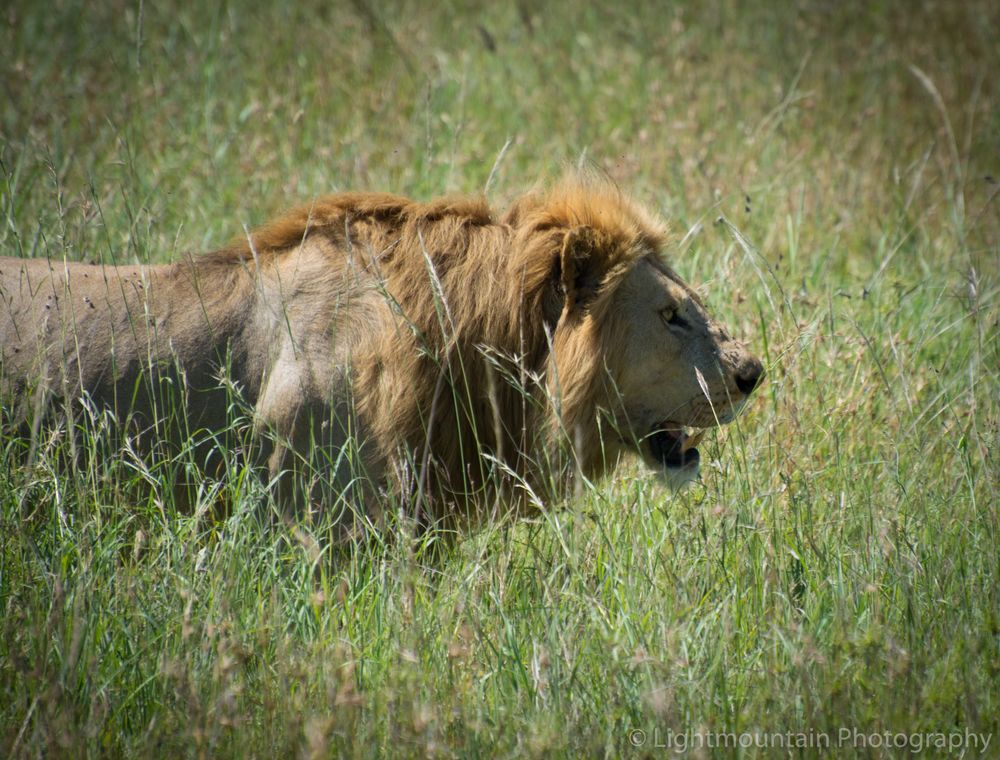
{"points": [[836, 567]]}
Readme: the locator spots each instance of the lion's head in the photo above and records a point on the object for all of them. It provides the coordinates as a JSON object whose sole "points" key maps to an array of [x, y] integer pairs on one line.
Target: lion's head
{"points": [[678, 369], [636, 352]]}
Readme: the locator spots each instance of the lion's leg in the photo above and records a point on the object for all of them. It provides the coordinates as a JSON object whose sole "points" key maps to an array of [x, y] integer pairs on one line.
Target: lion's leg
{"points": [[280, 435], [316, 463]]}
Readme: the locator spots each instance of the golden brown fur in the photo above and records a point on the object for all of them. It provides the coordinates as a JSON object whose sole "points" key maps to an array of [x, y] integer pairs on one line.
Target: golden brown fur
{"points": [[447, 350]]}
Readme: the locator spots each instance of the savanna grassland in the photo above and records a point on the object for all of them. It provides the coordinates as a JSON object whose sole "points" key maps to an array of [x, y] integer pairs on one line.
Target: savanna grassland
{"points": [[836, 567]]}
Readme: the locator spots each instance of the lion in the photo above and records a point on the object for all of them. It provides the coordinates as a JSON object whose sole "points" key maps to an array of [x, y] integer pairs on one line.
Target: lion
{"points": [[433, 350]]}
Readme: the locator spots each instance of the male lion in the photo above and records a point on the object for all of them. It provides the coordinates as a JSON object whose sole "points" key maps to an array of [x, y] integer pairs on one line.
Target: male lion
{"points": [[433, 349]]}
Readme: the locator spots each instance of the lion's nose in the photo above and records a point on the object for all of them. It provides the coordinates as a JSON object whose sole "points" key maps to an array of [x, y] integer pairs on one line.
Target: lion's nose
{"points": [[749, 376]]}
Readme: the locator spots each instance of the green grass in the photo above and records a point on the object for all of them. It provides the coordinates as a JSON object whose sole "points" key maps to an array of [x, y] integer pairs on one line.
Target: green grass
{"points": [[837, 567]]}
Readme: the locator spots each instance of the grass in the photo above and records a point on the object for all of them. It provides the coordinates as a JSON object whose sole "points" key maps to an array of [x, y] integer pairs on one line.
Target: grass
{"points": [[836, 568]]}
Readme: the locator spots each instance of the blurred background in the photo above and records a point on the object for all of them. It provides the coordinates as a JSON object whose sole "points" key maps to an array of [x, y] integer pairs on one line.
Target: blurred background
{"points": [[182, 121]]}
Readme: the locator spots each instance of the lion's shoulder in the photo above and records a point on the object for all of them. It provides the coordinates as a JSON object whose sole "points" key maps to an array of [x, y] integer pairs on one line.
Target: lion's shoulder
{"points": [[339, 213]]}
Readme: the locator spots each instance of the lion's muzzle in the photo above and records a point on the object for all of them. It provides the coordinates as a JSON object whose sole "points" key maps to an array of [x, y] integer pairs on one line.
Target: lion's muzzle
{"points": [[749, 375], [674, 448]]}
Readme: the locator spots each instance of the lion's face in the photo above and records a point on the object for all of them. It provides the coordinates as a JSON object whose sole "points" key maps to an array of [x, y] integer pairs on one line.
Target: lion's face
{"points": [[678, 369]]}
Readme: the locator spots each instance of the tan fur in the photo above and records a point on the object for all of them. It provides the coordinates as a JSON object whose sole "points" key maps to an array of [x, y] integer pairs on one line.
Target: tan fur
{"points": [[449, 351]]}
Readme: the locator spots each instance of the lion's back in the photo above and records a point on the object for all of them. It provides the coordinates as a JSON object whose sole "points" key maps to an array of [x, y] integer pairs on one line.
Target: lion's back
{"points": [[75, 327]]}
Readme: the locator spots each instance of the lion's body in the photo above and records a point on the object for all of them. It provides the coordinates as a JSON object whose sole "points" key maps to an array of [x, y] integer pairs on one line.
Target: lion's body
{"points": [[443, 346]]}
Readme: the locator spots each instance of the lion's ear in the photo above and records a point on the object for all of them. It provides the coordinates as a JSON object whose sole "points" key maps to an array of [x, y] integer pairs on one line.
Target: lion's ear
{"points": [[579, 267]]}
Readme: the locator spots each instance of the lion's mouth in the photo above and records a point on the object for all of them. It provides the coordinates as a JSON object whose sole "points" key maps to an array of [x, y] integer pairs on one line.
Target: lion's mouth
{"points": [[674, 446]]}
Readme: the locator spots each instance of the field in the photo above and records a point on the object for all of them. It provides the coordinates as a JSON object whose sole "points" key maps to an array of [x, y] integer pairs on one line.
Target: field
{"points": [[835, 572]]}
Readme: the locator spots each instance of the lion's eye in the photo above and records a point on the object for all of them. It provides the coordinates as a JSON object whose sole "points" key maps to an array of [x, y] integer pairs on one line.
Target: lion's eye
{"points": [[671, 317]]}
